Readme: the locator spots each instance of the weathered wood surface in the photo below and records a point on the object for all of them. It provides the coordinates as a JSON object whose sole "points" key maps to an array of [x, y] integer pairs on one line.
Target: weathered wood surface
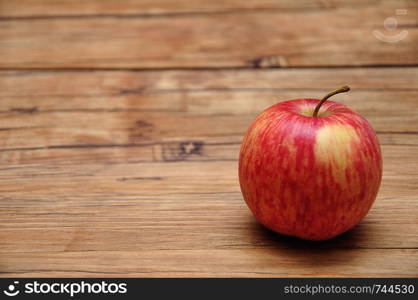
{"points": [[130, 162], [117, 161], [215, 263], [125, 107], [77, 8], [272, 38]]}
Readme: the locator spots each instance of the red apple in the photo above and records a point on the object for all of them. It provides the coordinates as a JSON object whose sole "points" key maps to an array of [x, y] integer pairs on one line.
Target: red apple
{"points": [[310, 168]]}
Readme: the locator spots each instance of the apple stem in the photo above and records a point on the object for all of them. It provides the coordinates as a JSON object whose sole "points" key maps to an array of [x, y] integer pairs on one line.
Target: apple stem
{"points": [[343, 89]]}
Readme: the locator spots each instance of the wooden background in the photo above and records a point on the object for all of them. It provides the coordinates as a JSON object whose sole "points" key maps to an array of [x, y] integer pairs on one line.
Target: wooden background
{"points": [[121, 122]]}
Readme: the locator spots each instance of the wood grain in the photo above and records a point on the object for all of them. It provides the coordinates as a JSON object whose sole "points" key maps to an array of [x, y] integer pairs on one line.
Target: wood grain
{"points": [[45, 111], [161, 205], [116, 160], [227, 263], [131, 162], [262, 39], [54, 8]]}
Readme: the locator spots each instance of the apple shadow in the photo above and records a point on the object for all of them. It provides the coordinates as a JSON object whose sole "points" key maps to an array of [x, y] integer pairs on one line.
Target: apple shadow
{"points": [[313, 254], [349, 239]]}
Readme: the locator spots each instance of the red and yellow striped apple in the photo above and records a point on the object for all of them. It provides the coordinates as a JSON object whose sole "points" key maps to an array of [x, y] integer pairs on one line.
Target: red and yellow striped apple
{"points": [[310, 168]]}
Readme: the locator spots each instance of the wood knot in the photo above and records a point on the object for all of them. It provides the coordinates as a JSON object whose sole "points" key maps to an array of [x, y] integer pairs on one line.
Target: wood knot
{"points": [[273, 61], [187, 148], [177, 151], [141, 123], [30, 110], [140, 130]]}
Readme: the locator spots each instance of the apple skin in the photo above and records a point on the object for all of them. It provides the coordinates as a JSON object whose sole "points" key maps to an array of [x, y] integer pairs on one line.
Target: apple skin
{"points": [[310, 177]]}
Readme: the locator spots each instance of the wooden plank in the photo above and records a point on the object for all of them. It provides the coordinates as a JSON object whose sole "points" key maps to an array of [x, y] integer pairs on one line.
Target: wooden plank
{"points": [[21, 85], [134, 172], [67, 129], [81, 205], [120, 176], [323, 37], [129, 108], [215, 263], [31, 8]]}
